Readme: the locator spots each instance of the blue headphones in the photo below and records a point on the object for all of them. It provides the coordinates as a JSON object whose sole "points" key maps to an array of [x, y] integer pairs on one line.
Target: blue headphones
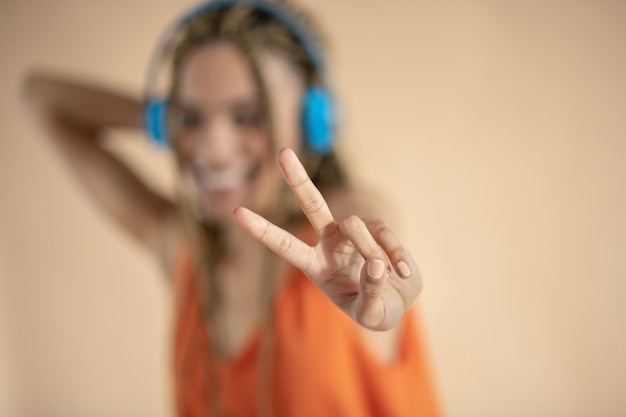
{"points": [[318, 109]]}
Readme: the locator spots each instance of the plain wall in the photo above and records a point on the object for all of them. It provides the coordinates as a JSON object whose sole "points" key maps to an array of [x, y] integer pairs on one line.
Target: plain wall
{"points": [[498, 128]]}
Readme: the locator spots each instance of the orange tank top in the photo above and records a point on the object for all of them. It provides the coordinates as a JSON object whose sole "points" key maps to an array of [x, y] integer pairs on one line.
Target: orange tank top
{"points": [[321, 367]]}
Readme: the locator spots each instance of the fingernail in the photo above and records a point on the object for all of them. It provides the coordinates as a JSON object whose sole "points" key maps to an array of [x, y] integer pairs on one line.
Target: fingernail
{"points": [[376, 269], [404, 269]]}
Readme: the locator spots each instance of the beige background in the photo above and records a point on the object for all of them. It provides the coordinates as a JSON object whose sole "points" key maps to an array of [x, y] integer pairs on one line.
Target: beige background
{"points": [[499, 128]]}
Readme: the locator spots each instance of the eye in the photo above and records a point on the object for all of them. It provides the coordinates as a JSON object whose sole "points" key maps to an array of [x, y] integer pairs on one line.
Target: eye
{"points": [[190, 119], [248, 118], [185, 118]]}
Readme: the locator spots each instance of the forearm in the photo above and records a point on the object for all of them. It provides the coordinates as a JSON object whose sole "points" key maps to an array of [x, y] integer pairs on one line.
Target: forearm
{"points": [[88, 107]]}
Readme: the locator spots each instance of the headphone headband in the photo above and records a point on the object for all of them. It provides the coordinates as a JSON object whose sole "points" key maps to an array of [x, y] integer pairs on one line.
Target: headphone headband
{"points": [[311, 44]]}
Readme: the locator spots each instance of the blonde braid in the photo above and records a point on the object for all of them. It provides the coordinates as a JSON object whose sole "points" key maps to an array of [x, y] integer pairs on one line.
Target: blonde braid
{"points": [[234, 22]]}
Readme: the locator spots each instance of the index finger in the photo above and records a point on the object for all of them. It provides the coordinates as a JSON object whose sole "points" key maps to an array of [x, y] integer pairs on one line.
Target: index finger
{"points": [[309, 197]]}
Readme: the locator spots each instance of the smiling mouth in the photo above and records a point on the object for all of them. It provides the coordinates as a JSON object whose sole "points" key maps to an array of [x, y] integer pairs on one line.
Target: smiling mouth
{"points": [[224, 180]]}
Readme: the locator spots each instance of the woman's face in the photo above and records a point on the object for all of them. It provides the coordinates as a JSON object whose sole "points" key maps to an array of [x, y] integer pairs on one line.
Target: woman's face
{"points": [[222, 132]]}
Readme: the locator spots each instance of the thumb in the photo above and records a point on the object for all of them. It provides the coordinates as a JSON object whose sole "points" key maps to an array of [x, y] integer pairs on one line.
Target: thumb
{"points": [[370, 310]]}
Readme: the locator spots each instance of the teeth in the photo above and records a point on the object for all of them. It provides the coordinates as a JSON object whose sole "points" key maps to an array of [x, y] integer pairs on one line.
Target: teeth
{"points": [[222, 180]]}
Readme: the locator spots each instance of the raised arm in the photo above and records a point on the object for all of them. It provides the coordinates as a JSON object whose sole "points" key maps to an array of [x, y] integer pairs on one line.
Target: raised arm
{"points": [[75, 118]]}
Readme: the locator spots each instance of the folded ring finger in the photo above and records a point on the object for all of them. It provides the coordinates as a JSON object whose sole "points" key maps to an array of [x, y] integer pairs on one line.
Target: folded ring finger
{"points": [[387, 239]]}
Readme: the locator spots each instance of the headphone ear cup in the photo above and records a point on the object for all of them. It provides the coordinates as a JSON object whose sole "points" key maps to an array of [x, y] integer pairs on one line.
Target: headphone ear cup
{"points": [[319, 120], [155, 115]]}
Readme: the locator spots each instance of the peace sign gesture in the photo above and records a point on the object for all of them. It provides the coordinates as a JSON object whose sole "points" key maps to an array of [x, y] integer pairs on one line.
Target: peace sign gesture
{"points": [[359, 264]]}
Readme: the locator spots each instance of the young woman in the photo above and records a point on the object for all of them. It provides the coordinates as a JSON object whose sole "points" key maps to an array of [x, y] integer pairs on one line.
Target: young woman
{"points": [[322, 329]]}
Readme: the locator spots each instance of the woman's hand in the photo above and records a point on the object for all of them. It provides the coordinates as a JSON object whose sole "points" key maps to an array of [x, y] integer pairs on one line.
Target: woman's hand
{"points": [[360, 264]]}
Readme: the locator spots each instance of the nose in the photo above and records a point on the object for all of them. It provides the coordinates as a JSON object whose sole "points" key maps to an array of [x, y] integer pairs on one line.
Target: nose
{"points": [[218, 143]]}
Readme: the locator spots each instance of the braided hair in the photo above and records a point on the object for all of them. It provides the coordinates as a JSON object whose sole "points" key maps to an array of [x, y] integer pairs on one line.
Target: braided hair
{"points": [[252, 31]]}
